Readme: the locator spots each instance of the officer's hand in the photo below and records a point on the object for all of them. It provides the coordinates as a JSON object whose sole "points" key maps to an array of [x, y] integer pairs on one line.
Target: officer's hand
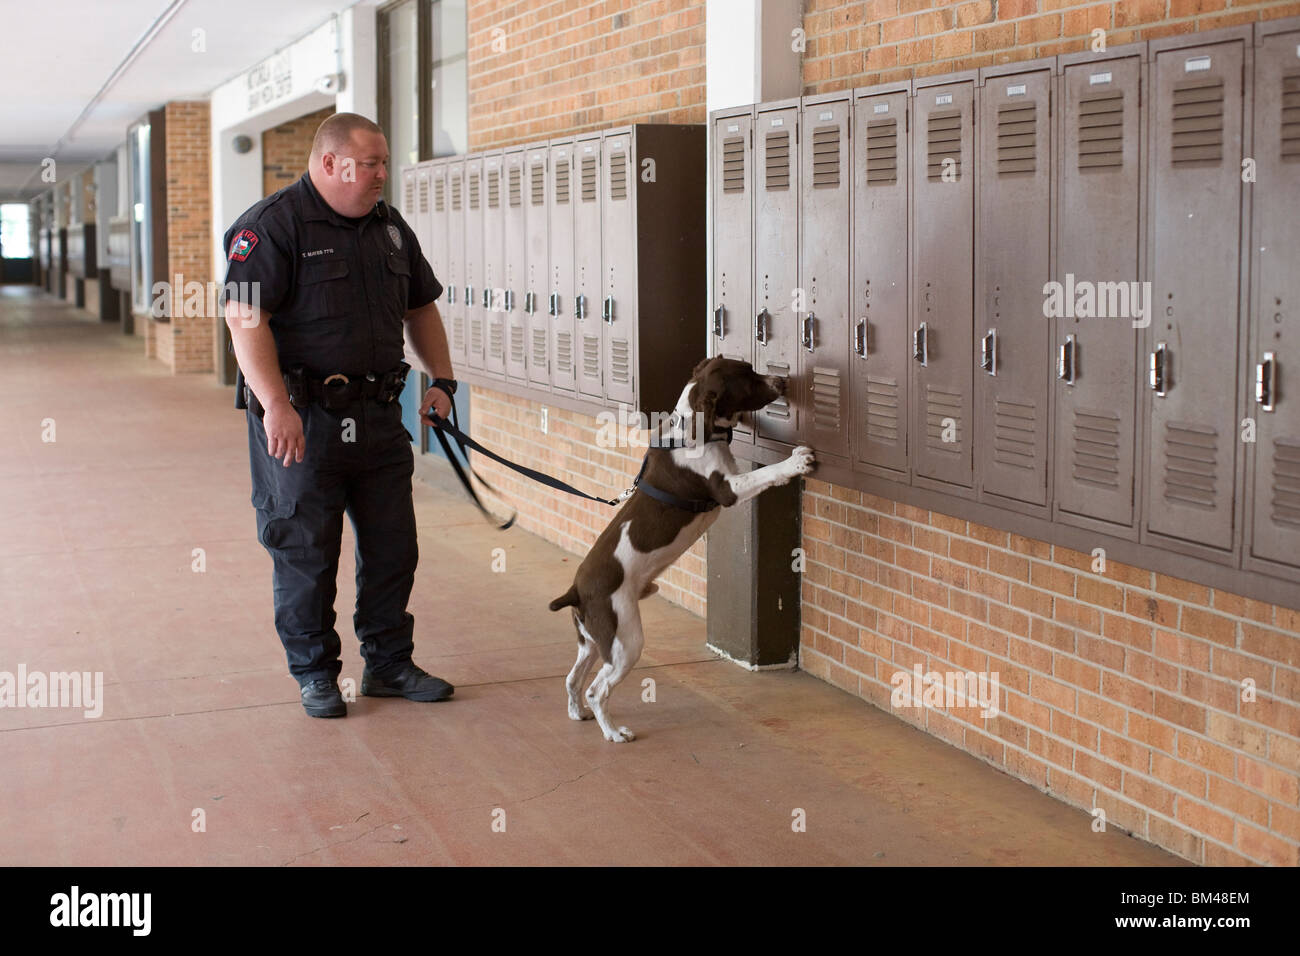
{"points": [[284, 437], [439, 400]]}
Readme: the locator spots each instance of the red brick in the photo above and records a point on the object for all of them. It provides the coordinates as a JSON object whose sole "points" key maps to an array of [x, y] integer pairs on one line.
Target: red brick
{"points": [[1238, 800], [1122, 750], [1039, 29], [1127, 632], [1053, 693], [1264, 847], [1104, 774], [1034, 549], [1052, 635], [1236, 733], [1213, 627], [1181, 712], [1096, 17], [1008, 565], [1175, 839], [1100, 711], [1205, 820], [1270, 644], [1006, 619], [1127, 692], [1151, 795], [1010, 9]]}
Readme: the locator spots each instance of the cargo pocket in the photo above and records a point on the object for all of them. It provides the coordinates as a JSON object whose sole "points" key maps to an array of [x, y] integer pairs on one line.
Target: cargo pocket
{"points": [[276, 528]]}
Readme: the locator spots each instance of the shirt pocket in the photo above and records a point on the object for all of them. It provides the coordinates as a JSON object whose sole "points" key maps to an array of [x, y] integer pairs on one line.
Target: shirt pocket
{"points": [[324, 289], [398, 290]]}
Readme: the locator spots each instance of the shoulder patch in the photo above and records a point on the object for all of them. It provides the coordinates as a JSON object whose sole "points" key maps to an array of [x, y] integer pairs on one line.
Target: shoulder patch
{"points": [[243, 245]]}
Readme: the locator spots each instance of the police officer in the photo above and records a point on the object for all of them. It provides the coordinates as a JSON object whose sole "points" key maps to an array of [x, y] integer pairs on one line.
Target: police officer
{"points": [[321, 278]]}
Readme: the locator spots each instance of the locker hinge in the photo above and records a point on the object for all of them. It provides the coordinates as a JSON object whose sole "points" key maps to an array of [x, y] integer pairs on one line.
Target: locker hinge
{"points": [[907, 119]]}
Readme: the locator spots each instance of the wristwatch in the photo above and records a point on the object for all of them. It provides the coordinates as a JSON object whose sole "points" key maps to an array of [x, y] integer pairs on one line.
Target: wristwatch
{"points": [[448, 385]]}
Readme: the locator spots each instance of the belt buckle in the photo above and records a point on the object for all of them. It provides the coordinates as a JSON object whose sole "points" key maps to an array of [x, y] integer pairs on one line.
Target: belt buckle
{"points": [[343, 379]]}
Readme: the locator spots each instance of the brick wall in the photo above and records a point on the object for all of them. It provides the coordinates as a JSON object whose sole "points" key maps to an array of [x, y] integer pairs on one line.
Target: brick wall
{"points": [[185, 344], [286, 147]]}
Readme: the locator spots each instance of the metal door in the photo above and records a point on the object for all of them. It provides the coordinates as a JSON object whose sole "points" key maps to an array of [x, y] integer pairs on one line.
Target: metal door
{"points": [[536, 266], [881, 345], [516, 248], [494, 254], [1013, 342], [560, 299], [733, 240], [475, 314], [618, 305], [943, 189], [457, 241], [586, 261]]}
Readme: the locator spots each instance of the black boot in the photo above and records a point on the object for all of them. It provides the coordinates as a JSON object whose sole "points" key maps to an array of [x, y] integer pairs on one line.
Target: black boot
{"points": [[321, 698], [410, 682]]}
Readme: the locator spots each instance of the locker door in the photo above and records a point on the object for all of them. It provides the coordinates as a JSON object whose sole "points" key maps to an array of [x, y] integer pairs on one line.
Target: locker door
{"points": [[1275, 519], [881, 345], [618, 307], [943, 187], [494, 254], [421, 222], [560, 305], [776, 269], [408, 194], [824, 147], [587, 222], [733, 231], [536, 267], [434, 239], [516, 246], [457, 243], [1193, 337], [475, 314], [1013, 342], [1098, 242]]}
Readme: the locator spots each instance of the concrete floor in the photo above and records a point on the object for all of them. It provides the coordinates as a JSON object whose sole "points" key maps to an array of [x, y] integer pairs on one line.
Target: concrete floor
{"points": [[98, 535]]}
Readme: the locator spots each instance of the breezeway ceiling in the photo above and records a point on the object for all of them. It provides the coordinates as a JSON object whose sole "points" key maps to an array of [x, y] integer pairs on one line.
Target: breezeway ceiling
{"points": [[60, 54]]}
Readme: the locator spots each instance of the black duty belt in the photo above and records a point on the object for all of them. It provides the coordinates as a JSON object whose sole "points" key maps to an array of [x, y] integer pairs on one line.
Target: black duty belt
{"points": [[338, 391]]}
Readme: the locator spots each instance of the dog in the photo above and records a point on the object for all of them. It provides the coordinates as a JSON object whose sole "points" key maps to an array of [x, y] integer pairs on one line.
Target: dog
{"points": [[688, 475]]}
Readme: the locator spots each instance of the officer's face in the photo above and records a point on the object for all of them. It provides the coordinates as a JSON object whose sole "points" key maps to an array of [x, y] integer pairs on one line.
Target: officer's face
{"points": [[357, 174]]}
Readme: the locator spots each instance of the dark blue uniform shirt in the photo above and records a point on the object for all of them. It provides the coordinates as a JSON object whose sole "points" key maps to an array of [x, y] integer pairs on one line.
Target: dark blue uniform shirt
{"points": [[337, 288]]}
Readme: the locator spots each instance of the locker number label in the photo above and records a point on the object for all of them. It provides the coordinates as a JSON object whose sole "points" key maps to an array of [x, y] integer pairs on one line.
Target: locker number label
{"points": [[943, 99], [1197, 64], [881, 108], [1098, 78], [1016, 90]]}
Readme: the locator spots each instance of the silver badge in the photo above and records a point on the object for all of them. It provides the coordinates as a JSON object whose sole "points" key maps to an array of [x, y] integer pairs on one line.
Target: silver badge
{"points": [[395, 234]]}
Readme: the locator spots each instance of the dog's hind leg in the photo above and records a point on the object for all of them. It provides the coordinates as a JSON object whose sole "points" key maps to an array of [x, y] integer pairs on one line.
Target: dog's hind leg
{"points": [[624, 653], [587, 654]]}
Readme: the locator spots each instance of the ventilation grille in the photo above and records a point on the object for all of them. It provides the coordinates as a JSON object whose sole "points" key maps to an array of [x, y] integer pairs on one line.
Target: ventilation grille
{"points": [[882, 410], [1198, 123], [620, 370], [562, 181], [826, 157], [515, 188], [779, 409], [455, 193], [1101, 131], [538, 184], [517, 345], [1291, 118], [476, 335], [473, 190], [458, 332], [539, 348], [882, 152], [494, 188], [591, 357], [564, 353], [1015, 430], [943, 132], [1191, 462], [589, 179], [1286, 483], [1017, 138], [733, 164], [618, 175], [496, 339], [408, 196], [941, 404], [826, 397], [424, 195], [439, 194], [1096, 448], [777, 160]]}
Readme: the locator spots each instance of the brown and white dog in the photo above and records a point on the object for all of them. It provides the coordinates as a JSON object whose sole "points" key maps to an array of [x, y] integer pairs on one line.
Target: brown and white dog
{"points": [[648, 534]]}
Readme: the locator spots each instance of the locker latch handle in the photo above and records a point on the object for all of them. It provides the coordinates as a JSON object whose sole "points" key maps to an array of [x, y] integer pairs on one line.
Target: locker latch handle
{"points": [[761, 327], [718, 328], [1266, 382], [1159, 370], [469, 295], [510, 300], [1065, 360], [607, 310], [451, 295], [555, 303], [487, 299], [810, 331], [530, 302], [580, 306], [989, 352], [921, 344], [860, 338]]}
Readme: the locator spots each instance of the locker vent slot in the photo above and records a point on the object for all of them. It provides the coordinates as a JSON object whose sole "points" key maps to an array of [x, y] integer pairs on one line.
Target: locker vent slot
{"points": [[1096, 448], [591, 356], [733, 164], [515, 189], [780, 408], [539, 348], [1291, 118], [455, 193], [777, 159], [562, 182], [564, 352], [439, 195], [943, 142], [589, 179], [1286, 483], [539, 184], [473, 190], [1191, 459], [408, 196], [1101, 131], [1015, 427], [882, 410], [882, 152], [1198, 123], [826, 157], [476, 336], [618, 175], [496, 339], [941, 403], [1017, 138], [494, 188], [458, 332], [424, 195], [826, 397], [621, 371], [517, 345]]}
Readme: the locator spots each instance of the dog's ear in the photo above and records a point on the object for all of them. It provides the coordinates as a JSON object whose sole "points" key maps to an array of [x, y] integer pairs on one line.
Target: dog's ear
{"points": [[700, 368], [704, 399]]}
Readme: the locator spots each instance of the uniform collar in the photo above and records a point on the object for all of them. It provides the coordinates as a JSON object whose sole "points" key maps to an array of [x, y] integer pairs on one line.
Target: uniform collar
{"points": [[311, 207]]}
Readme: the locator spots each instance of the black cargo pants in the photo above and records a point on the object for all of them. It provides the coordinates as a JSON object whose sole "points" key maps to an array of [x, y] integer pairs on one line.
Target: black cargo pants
{"points": [[357, 460]]}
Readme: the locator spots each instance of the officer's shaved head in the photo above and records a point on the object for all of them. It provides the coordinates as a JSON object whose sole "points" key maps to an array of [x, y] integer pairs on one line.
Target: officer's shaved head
{"points": [[349, 163], [336, 133]]}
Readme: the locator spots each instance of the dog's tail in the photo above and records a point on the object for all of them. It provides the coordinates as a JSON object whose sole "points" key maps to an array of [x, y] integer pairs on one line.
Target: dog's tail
{"points": [[568, 599]]}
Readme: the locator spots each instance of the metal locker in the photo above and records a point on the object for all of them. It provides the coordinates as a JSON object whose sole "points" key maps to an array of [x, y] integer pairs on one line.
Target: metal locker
{"points": [[1013, 264], [733, 231], [587, 223], [420, 224], [1098, 271], [434, 238], [878, 285], [618, 305], [492, 297], [560, 299], [516, 248], [1197, 114], [825, 141], [535, 284], [456, 242], [1274, 517], [776, 267], [943, 247], [475, 314]]}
